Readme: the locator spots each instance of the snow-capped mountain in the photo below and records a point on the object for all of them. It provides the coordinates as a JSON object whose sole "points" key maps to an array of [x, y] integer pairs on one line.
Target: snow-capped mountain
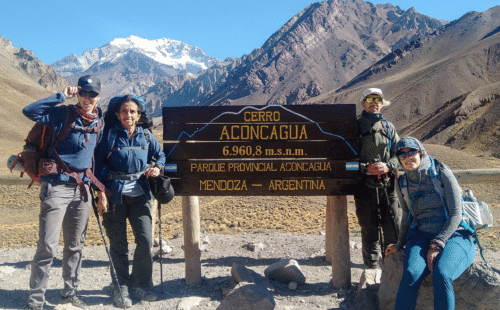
{"points": [[132, 65], [175, 54]]}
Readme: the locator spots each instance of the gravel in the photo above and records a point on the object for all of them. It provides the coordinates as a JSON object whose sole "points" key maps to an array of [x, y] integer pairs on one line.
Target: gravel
{"points": [[217, 257]]}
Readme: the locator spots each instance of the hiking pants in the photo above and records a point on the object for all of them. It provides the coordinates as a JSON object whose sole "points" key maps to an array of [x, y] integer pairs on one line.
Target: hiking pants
{"points": [[138, 211], [61, 205], [369, 203], [454, 259]]}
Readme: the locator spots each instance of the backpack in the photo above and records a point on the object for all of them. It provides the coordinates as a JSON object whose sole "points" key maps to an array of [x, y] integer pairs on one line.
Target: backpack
{"points": [[41, 144], [376, 181], [475, 215], [160, 186], [111, 142], [384, 131]]}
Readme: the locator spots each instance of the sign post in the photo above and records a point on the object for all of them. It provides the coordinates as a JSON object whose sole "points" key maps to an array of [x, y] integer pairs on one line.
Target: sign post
{"points": [[306, 150], [191, 225]]}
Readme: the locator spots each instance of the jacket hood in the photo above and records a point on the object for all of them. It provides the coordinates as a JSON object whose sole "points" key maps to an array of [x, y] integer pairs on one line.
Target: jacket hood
{"points": [[414, 143]]}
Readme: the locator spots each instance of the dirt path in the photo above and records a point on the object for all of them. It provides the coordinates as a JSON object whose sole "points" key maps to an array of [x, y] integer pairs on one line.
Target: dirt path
{"points": [[217, 258]]}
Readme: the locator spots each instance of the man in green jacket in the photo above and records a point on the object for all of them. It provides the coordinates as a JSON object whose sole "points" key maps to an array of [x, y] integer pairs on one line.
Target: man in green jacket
{"points": [[375, 197]]}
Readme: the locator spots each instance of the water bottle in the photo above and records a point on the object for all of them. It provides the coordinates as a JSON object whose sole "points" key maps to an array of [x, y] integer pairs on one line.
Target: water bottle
{"points": [[486, 216], [19, 166], [469, 196]]}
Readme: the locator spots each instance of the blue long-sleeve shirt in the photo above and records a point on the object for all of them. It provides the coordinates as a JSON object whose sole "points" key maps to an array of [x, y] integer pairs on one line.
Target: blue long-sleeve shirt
{"points": [[77, 148], [127, 161]]}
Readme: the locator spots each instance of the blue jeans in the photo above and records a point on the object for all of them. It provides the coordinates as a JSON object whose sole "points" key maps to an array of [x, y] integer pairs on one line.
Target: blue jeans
{"points": [[454, 259]]}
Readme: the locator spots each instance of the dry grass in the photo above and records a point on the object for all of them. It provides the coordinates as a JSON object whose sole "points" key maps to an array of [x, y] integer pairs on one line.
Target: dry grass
{"points": [[232, 215]]}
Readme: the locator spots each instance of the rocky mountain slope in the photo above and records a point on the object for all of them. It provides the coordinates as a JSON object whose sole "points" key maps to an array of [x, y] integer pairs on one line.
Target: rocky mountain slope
{"points": [[444, 86], [23, 79], [318, 50], [133, 65], [192, 90], [441, 77]]}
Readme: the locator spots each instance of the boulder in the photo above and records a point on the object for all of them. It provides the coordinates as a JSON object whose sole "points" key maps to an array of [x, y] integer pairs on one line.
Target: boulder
{"points": [[241, 273], [248, 296], [477, 288], [286, 271]]}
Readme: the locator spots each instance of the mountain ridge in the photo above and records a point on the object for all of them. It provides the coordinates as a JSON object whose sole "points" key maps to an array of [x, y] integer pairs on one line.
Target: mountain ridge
{"points": [[443, 86], [314, 53], [176, 54], [441, 76]]}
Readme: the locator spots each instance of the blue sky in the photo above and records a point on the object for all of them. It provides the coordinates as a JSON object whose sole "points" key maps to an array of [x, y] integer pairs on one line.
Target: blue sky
{"points": [[53, 29]]}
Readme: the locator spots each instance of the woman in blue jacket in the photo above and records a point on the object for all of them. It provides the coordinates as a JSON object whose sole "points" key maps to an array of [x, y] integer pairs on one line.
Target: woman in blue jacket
{"points": [[430, 232], [124, 160]]}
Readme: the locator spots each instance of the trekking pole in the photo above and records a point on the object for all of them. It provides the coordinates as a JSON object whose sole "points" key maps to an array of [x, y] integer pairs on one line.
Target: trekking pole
{"points": [[161, 246], [113, 271]]}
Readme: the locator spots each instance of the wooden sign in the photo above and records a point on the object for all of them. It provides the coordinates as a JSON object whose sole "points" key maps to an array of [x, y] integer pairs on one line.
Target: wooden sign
{"points": [[261, 150]]}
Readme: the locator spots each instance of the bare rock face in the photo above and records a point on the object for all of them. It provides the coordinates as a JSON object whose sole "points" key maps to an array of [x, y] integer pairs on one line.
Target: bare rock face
{"points": [[44, 74], [462, 114], [477, 288], [33, 67], [319, 50]]}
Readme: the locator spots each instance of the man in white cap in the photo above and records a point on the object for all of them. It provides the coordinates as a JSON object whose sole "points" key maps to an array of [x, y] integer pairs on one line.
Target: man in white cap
{"points": [[375, 198]]}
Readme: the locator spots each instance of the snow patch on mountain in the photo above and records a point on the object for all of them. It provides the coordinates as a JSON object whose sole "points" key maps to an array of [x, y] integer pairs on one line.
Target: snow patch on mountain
{"points": [[176, 54]]}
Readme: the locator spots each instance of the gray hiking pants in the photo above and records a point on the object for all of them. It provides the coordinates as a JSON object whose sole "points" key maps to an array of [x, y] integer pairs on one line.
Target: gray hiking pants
{"points": [[61, 205]]}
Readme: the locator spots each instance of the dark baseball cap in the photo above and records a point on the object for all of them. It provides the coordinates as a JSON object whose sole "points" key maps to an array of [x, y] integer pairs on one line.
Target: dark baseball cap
{"points": [[409, 143], [90, 83]]}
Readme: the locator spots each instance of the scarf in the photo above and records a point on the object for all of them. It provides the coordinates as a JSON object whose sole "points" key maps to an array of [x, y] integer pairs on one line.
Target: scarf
{"points": [[87, 117], [374, 117]]}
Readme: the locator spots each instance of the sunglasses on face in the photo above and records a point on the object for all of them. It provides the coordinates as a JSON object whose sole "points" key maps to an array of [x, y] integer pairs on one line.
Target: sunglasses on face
{"points": [[377, 100], [84, 93], [404, 155]]}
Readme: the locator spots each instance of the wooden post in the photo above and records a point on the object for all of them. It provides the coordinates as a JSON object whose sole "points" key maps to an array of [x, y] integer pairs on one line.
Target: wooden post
{"points": [[191, 225], [337, 240], [329, 245]]}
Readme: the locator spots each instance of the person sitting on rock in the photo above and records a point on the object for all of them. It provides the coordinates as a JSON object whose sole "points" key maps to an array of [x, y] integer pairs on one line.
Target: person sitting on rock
{"points": [[430, 233]]}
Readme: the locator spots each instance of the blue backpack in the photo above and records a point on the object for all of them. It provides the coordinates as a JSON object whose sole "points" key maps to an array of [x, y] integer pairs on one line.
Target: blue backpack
{"points": [[470, 209]]}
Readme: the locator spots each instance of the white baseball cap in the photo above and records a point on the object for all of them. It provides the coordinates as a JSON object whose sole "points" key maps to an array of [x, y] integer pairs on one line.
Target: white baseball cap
{"points": [[372, 91]]}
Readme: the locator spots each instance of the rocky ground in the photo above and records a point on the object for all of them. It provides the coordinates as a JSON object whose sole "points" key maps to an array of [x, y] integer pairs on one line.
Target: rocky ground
{"points": [[288, 227]]}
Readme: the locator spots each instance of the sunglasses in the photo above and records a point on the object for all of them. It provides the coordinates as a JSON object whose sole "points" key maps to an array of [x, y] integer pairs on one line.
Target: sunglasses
{"points": [[370, 100], [84, 93], [404, 155]]}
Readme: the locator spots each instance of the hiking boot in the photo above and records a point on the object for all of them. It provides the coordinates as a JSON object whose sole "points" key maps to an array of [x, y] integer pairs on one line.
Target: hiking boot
{"points": [[73, 300], [30, 307], [120, 302], [143, 294]]}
